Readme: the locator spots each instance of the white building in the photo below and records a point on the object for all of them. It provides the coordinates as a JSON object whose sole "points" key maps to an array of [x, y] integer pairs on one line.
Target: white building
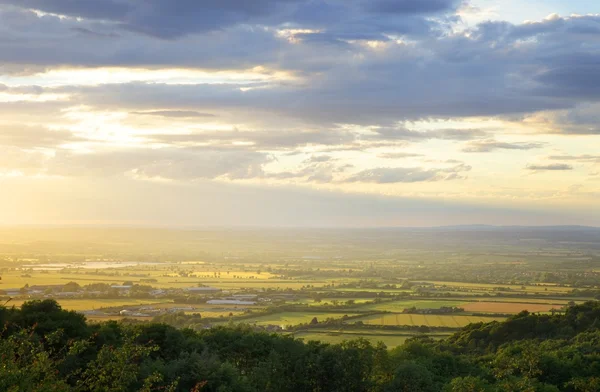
{"points": [[230, 302]]}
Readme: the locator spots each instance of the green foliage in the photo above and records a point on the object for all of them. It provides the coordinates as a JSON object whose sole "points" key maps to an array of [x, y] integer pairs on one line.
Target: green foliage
{"points": [[44, 348]]}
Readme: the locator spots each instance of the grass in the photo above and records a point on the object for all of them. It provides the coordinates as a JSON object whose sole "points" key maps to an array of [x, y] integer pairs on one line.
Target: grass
{"points": [[390, 341], [291, 318]]}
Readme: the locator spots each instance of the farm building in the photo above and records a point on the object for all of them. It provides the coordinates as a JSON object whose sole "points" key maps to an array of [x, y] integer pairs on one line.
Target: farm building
{"points": [[230, 302], [202, 290], [245, 296], [12, 292], [121, 287]]}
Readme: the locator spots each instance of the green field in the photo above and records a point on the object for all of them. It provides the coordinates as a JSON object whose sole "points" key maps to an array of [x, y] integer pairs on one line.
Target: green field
{"points": [[390, 338], [390, 341], [292, 318], [483, 287], [430, 320]]}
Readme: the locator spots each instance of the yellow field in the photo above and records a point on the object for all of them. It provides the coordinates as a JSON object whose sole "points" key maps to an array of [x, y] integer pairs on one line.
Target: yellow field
{"points": [[291, 318], [507, 307], [431, 320], [212, 313], [92, 304], [390, 341], [164, 279]]}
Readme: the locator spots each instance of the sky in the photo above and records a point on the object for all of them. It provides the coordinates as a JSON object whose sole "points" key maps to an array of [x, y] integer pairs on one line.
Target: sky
{"points": [[324, 113]]}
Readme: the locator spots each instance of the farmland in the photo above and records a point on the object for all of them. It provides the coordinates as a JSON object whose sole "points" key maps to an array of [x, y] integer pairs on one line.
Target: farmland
{"points": [[506, 307], [383, 285], [430, 320], [390, 341]]}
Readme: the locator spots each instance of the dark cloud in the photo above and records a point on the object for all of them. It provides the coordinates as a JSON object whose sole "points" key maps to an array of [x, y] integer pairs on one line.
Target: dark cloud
{"points": [[550, 167], [412, 6], [390, 175], [444, 134], [343, 81], [508, 69], [93, 9], [275, 139], [88, 32], [493, 145], [162, 18], [172, 19]]}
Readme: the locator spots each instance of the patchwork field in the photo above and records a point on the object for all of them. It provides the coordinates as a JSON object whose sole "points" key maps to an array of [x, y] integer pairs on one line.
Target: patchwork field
{"points": [[507, 307], [399, 306], [527, 300], [546, 289]]}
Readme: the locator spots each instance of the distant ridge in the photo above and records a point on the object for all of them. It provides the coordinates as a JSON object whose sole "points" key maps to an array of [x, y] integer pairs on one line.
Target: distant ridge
{"points": [[517, 227]]}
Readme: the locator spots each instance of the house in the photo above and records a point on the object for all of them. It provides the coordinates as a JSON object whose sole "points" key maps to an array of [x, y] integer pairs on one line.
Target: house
{"points": [[92, 313], [121, 287], [202, 290], [229, 302], [180, 309], [11, 292], [245, 296], [67, 294], [43, 288]]}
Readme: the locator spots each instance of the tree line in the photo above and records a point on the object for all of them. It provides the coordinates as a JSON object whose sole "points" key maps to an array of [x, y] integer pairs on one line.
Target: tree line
{"points": [[45, 348]]}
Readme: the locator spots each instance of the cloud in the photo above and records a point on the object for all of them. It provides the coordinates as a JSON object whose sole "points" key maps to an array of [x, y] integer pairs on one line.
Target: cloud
{"points": [[398, 155], [388, 175], [550, 167], [29, 137], [509, 69], [400, 133], [413, 6], [15, 160], [161, 18], [275, 139], [578, 158], [175, 113], [170, 20], [493, 145], [168, 163]]}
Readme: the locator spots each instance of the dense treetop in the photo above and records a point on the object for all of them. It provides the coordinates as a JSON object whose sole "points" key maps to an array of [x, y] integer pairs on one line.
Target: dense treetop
{"points": [[44, 348]]}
